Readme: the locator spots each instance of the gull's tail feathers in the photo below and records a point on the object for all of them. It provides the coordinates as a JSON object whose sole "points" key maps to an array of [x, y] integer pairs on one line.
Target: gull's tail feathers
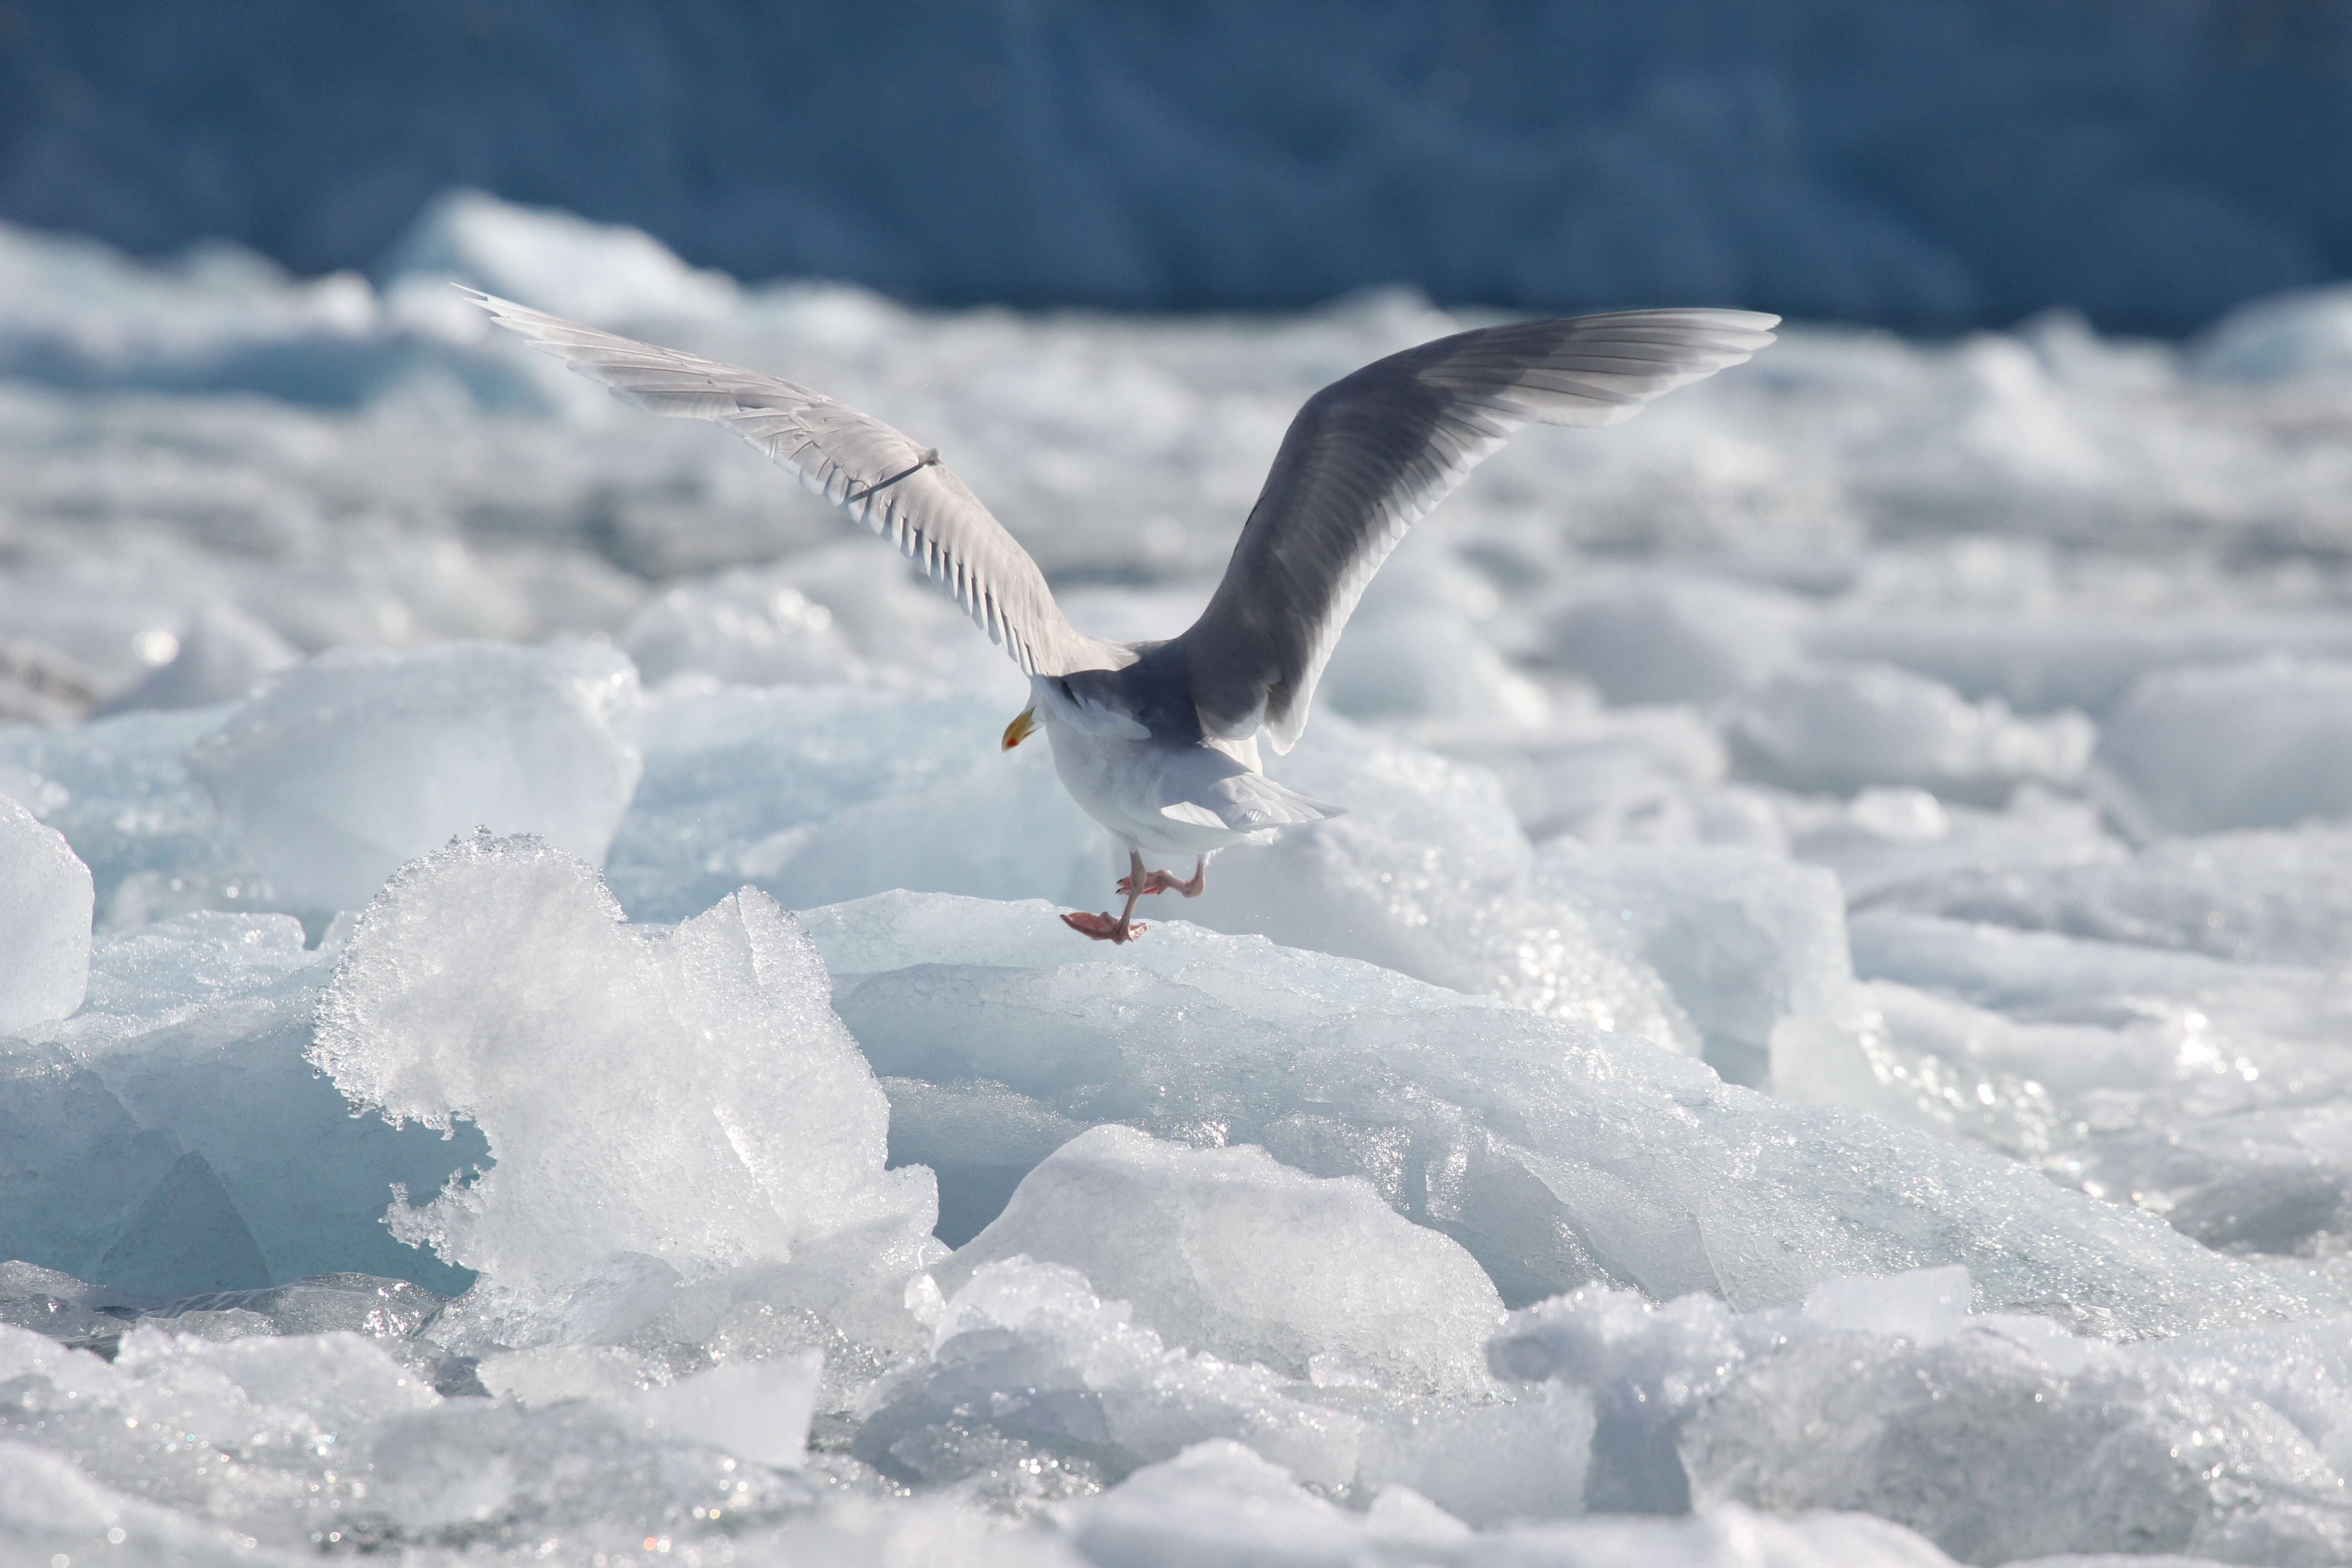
{"points": [[1246, 802]]}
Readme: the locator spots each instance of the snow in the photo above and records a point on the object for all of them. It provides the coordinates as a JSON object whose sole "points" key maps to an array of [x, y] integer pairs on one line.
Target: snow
{"points": [[537, 1002]]}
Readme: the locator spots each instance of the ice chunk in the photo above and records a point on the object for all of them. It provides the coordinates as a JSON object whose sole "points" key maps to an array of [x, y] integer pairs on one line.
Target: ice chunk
{"points": [[219, 656], [51, 1510], [1748, 942], [820, 794], [2083, 658], [2202, 1090], [687, 1095], [196, 1028], [2033, 1453], [1227, 1251], [46, 897], [1995, 1436], [1489, 1464], [1900, 847], [1842, 727], [1665, 639], [1428, 874], [1555, 1153], [2044, 976], [1963, 1071], [979, 1138], [1607, 775], [156, 973], [266, 1436], [217, 318], [2257, 896], [554, 261], [1218, 1502], [2273, 1179], [472, 1472], [185, 1236], [1421, 646], [1924, 1306], [149, 833], [346, 766], [744, 627], [1028, 1365], [759, 1410], [98, 1162], [2266, 744], [2306, 331], [1428, 664]]}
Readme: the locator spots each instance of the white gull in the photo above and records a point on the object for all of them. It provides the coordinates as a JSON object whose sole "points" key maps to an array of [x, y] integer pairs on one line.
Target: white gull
{"points": [[1159, 741]]}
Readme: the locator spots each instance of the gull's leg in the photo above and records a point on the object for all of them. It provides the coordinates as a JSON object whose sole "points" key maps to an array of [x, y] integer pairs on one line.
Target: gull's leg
{"points": [[1166, 882], [1127, 928], [1139, 881]]}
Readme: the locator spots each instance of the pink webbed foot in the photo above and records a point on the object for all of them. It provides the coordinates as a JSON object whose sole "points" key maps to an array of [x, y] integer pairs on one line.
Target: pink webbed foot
{"points": [[1102, 928]]}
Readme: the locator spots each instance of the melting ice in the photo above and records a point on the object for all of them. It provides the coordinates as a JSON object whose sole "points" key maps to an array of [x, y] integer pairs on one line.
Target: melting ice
{"points": [[536, 1027]]}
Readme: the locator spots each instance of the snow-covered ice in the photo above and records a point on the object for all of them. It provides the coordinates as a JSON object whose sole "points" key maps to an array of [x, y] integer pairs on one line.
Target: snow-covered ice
{"points": [[537, 1023]]}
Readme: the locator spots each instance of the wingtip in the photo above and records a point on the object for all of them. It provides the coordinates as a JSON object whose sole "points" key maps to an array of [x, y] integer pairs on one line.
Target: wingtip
{"points": [[504, 313]]}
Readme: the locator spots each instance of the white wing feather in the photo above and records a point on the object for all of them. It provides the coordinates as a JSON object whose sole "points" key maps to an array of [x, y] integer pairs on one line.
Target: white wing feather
{"points": [[871, 472]]}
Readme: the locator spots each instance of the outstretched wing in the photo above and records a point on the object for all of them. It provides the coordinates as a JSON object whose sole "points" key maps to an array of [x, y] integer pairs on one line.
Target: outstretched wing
{"points": [[1373, 452], [871, 472]]}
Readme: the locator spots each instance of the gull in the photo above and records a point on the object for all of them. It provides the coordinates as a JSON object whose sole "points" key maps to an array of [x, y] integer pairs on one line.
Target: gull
{"points": [[1159, 741]]}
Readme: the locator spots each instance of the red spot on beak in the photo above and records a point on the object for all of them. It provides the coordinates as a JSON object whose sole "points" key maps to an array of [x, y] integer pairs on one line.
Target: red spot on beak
{"points": [[1021, 729]]}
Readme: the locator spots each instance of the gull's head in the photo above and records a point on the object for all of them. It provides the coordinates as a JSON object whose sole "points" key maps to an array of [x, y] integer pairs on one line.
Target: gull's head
{"points": [[1022, 728]]}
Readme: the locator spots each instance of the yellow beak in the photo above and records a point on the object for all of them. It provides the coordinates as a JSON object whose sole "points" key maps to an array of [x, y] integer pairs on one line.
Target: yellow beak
{"points": [[1021, 729]]}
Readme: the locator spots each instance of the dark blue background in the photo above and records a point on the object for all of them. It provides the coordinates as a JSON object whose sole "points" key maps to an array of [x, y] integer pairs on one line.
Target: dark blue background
{"points": [[1926, 164]]}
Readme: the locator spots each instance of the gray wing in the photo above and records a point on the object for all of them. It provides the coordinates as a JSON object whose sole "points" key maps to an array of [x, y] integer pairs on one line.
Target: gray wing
{"points": [[871, 472], [1372, 452]]}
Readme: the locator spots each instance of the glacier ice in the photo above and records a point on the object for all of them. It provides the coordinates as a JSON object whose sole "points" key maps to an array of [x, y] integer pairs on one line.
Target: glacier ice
{"points": [[1876, 816]]}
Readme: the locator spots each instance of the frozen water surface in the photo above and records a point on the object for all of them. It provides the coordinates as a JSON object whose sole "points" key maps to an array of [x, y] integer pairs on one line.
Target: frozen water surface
{"points": [[537, 1026]]}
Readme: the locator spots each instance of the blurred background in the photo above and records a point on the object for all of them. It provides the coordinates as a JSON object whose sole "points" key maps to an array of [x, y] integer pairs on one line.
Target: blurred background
{"points": [[1926, 164]]}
